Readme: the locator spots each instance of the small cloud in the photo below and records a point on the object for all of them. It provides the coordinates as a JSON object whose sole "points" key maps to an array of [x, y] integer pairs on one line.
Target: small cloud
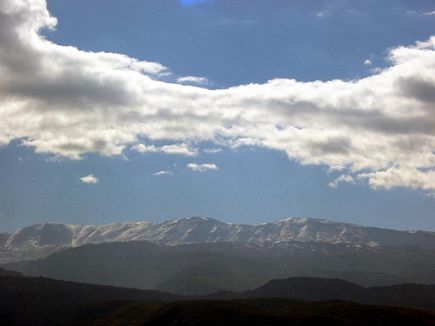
{"points": [[341, 179], [179, 149], [175, 149], [192, 80], [163, 172], [368, 62], [141, 148], [150, 68], [429, 13], [430, 195], [202, 167], [320, 14], [54, 159], [212, 150], [89, 179]]}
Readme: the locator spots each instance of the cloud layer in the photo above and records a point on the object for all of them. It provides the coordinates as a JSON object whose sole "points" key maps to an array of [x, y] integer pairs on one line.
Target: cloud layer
{"points": [[64, 101]]}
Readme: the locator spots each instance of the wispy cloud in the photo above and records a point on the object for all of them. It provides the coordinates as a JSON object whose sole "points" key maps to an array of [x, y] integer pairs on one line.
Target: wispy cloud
{"points": [[212, 150], [320, 14], [163, 173], [192, 80], [429, 13], [202, 167], [175, 149], [341, 179], [89, 179]]}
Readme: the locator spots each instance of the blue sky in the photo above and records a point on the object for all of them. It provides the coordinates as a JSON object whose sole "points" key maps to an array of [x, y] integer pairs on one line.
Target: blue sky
{"points": [[218, 45]]}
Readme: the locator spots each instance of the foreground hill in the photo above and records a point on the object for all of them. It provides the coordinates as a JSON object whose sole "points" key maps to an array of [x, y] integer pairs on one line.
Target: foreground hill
{"points": [[205, 268], [284, 312], [320, 289], [4, 272], [42, 239], [41, 301]]}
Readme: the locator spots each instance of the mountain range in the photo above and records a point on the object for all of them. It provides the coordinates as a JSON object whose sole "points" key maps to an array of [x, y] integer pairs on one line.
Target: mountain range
{"points": [[196, 271], [40, 240], [201, 268]]}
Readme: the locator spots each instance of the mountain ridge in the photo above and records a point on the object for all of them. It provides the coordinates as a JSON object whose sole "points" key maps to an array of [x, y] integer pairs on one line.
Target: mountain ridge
{"points": [[39, 240]]}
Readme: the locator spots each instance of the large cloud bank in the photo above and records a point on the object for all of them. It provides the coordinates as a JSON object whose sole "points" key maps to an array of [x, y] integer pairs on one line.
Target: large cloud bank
{"points": [[67, 102]]}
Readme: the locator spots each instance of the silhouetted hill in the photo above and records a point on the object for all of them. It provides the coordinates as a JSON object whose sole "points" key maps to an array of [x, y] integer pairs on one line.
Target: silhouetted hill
{"points": [[318, 289], [310, 289], [42, 301], [4, 272], [284, 312]]}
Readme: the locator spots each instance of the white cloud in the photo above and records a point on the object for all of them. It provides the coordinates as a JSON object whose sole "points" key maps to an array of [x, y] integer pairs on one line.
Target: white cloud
{"points": [[192, 80], [176, 149], [341, 179], [367, 62], [89, 179], [141, 148], [401, 177], [202, 167], [67, 102], [179, 149], [162, 173], [429, 13]]}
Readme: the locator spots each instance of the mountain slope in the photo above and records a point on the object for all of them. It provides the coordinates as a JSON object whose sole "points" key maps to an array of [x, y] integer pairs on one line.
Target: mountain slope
{"points": [[230, 266], [144, 265], [40, 240]]}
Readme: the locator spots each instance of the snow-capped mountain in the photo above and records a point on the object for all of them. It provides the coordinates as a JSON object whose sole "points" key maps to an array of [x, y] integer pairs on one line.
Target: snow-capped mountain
{"points": [[39, 240]]}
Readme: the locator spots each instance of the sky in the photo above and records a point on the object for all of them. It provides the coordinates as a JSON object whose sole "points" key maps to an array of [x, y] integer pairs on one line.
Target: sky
{"points": [[243, 111]]}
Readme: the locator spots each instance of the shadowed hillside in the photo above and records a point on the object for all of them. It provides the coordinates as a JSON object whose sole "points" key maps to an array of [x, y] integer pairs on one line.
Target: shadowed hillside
{"points": [[42, 301], [45, 302], [206, 268]]}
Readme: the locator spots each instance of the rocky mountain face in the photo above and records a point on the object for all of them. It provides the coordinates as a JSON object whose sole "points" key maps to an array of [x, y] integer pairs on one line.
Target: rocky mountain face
{"points": [[39, 240]]}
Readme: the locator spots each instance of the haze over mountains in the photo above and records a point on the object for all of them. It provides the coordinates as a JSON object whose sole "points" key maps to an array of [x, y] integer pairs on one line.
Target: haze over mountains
{"points": [[201, 268], [39, 240]]}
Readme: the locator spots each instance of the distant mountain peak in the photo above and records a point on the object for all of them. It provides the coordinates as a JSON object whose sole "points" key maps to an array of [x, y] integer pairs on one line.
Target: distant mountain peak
{"points": [[41, 239]]}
